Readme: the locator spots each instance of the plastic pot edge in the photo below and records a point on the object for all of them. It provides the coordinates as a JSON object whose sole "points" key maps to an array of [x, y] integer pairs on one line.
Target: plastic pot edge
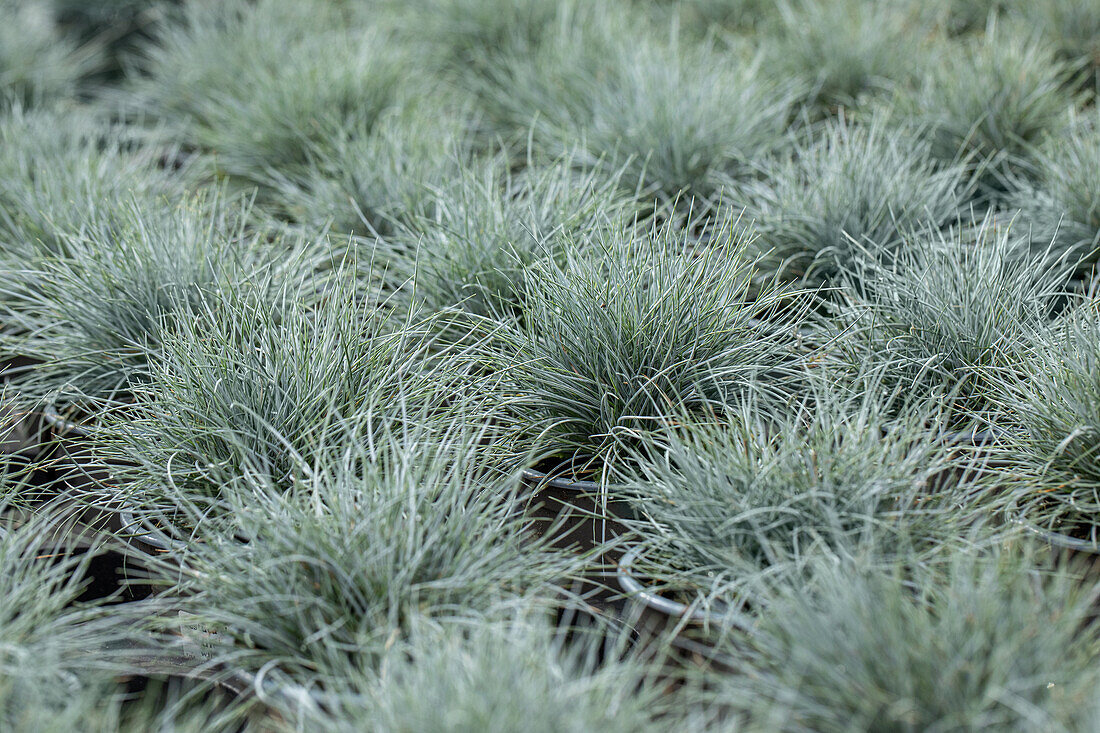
{"points": [[657, 602], [542, 479], [147, 534], [61, 425], [1057, 539]]}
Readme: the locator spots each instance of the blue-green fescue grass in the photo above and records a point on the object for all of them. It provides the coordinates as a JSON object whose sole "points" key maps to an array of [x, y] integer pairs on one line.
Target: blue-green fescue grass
{"points": [[489, 226], [63, 171], [268, 378], [268, 87], [845, 50], [1052, 402], [117, 26], [209, 51], [639, 324], [460, 36], [57, 655], [106, 17], [989, 100], [684, 118], [39, 63], [1071, 26], [959, 17], [98, 315], [319, 580], [849, 464], [850, 182], [952, 311], [701, 18], [507, 674], [975, 642], [323, 86], [374, 181], [1062, 204]]}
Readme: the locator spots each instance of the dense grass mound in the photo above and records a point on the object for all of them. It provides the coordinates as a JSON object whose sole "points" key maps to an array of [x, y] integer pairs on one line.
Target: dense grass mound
{"points": [[438, 365]]}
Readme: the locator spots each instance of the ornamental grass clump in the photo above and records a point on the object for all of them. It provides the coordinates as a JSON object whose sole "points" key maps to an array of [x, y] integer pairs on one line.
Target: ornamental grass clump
{"points": [[850, 184], [463, 36], [57, 653], [61, 172], [374, 182], [332, 572], [1062, 204], [685, 119], [207, 54], [975, 642], [490, 226], [640, 325], [97, 315], [961, 17], [758, 494], [951, 312], [508, 674], [845, 50], [989, 101], [39, 63], [1071, 26], [268, 378], [1053, 404], [268, 87]]}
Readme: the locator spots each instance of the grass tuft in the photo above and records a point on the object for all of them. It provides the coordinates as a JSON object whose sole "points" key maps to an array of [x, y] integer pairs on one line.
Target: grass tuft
{"points": [[953, 312], [975, 643], [334, 571], [851, 183], [637, 326]]}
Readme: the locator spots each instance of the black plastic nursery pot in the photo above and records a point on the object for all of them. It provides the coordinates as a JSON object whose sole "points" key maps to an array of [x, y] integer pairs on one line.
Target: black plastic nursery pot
{"points": [[71, 438], [83, 475], [591, 514], [584, 519], [110, 574], [25, 434], [1080, 556], [661, 616], [592, 524]]}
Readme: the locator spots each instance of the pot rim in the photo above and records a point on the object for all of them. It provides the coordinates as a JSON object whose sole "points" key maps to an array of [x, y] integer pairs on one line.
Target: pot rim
{"points": [[62, 425], [1057, 539], [632, 586], [982, 437], [147, 533], [544, 479]]}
